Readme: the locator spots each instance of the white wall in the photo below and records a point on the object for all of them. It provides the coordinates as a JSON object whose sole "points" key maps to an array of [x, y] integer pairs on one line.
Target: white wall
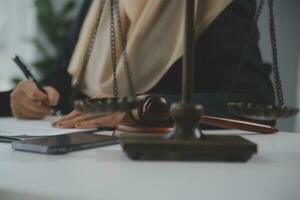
{"points": [[288, 28], [17, 26]]}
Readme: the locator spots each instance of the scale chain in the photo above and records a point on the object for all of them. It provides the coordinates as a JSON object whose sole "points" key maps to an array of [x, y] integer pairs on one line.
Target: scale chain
{"points": [[79, 81], [123, 47], [114, 14], [276, 74], [113, 48]]}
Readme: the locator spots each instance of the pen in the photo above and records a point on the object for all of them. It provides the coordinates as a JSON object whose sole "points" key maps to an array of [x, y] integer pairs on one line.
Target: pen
{"points": [[30, 77]]}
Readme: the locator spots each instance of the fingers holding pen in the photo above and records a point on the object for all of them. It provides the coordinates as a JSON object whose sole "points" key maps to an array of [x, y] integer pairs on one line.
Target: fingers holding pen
{"points": [[30, 99], [23, 112], [53, 96], [27, 101], [36, 107], [32, 92]]}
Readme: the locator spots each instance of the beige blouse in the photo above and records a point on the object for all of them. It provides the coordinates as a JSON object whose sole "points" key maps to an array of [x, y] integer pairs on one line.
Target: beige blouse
{"points": [[154, 41]]}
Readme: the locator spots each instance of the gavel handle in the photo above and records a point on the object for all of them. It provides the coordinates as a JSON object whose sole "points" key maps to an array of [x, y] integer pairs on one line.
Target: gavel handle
{"points": [[237, 124]]}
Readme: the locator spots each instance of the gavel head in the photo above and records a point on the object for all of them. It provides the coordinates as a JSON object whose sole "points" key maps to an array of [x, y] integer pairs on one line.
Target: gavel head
{"points": [[153, 110]]}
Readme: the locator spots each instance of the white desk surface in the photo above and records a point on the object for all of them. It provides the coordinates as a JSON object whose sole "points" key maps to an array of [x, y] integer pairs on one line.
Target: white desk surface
{"points": [[106, 173]]}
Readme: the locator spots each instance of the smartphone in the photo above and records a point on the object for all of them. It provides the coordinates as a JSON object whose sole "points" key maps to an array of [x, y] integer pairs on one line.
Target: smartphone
{"points": [[62, 144]]}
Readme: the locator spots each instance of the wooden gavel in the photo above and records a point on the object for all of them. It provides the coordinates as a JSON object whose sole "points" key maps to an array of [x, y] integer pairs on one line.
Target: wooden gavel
{"points": [[155, 110]]}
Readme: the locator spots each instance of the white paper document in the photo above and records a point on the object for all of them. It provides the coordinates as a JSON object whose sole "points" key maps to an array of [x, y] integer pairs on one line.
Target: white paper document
{"points": [[10, 127]]}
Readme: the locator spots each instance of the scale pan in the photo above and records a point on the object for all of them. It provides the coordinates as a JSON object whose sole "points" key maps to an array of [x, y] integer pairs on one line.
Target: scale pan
{"points": [[261, 112], [106, 106]]}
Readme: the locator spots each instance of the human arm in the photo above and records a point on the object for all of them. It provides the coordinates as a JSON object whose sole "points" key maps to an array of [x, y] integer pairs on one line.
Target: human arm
{"points": [[28, 102], [77, 119]]}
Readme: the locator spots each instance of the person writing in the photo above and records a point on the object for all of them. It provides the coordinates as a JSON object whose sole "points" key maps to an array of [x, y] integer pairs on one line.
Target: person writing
{"points": [[154, 42]]}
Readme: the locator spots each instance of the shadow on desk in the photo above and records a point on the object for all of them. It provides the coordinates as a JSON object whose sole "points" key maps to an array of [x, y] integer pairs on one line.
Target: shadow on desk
{"points": [[108, 155], [12, 195]]}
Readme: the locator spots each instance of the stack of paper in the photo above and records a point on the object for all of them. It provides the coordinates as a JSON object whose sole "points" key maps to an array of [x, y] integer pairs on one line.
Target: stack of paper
{"points": [[15, 127]]}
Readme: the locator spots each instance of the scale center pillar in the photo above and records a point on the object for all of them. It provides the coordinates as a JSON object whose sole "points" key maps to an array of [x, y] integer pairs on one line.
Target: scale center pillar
{"points": [[186, 117]]}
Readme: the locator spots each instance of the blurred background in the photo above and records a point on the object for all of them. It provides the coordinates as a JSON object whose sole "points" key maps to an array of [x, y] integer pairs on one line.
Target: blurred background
{"points": [[35, 30]]}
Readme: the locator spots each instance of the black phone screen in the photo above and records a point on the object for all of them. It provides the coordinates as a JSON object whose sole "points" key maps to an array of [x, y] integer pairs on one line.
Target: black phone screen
{"points": [[61, 144]]}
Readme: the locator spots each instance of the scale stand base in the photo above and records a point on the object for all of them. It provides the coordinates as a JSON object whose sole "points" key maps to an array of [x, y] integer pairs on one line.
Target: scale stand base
{"points": [[210, 148]]}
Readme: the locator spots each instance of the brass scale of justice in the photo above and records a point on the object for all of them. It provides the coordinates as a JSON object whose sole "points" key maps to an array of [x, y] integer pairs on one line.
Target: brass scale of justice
{"points": [[185, 141]]}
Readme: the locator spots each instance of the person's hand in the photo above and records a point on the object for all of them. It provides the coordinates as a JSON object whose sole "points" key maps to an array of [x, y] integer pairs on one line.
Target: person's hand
{"points": [[81, 120], [28, 102]]}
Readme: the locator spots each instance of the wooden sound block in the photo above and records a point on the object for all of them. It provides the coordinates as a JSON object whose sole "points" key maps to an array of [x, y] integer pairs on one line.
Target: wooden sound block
{"points": [[130, 126], [210, 148]]}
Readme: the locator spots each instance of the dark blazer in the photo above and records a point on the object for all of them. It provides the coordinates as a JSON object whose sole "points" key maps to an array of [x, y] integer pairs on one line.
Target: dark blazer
{"points": [[5, 103], [217, 54]]}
